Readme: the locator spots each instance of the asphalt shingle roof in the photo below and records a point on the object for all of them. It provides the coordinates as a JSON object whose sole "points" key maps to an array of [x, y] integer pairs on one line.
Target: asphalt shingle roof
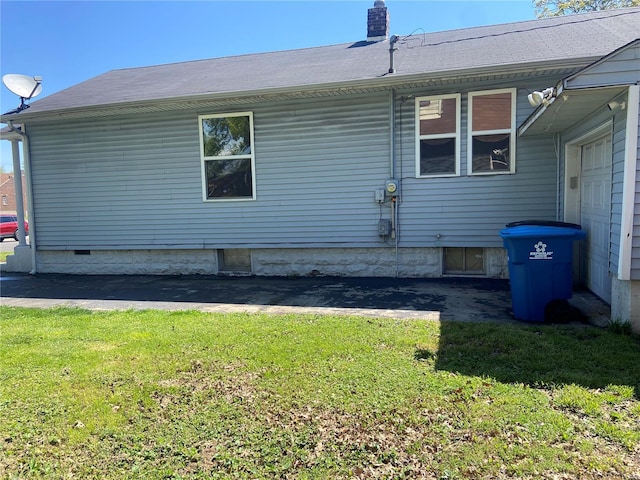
{"points": [[583, 37]]}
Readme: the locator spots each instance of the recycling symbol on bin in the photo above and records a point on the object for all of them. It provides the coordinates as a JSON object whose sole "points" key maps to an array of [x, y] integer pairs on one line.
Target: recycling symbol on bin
{"points": [[540, 252]]}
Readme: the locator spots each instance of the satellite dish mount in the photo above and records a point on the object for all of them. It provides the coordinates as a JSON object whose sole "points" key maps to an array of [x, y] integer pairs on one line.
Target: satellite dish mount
{"points": [[24, 86]]}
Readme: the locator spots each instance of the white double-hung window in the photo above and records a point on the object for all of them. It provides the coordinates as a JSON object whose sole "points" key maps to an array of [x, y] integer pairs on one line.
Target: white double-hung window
{"points": [[438, 136], [226, 150], [491, 139]]}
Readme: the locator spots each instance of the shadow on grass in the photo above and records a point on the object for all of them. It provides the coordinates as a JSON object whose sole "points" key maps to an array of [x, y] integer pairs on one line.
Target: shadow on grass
{"points": [[538, 355]]}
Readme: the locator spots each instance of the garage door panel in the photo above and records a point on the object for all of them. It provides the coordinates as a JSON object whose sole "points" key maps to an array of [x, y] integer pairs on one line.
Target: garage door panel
{"points": [[595, 213]]}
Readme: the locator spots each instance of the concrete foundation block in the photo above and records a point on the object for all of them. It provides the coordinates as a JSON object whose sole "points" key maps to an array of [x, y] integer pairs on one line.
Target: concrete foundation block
{"points": [[20, 261]]}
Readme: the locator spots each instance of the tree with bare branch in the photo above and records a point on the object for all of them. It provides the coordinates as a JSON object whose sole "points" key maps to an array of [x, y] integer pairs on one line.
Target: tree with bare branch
{"points": [[554, 8]]}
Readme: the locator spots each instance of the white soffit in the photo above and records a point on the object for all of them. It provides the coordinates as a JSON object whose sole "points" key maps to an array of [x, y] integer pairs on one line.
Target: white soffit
{"points": [[567, 109]]}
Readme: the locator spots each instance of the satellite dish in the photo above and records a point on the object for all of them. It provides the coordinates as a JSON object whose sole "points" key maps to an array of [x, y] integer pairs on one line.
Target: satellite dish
{"points": [[24, 86]]}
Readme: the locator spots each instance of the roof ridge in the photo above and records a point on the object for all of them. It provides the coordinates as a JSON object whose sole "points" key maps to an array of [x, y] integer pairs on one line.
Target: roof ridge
{"points": [[551, 22], [571, 41], [561, 19], [226, 57], [559, 22]]}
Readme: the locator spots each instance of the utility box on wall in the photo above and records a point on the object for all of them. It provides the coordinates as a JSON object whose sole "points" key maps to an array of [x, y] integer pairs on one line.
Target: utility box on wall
{"points": [[384, 227], [391, 187]]}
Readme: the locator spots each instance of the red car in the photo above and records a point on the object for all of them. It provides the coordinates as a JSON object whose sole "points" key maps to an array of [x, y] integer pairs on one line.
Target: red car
{"points": [[9, 227]]}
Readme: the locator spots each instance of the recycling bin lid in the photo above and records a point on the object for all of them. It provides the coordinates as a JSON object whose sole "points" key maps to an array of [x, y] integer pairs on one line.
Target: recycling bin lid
{"points": [[542, 231], [543, 223]]}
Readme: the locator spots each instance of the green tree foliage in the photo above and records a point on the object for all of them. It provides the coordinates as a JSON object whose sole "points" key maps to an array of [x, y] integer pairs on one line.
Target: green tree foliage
{"points": [[226, 136], [554, 8]]}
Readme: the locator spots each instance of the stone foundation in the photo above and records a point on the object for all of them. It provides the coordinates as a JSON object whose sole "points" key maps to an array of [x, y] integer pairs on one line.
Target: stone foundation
{"points": [[20, 260], [348, 262], [625, 302], [129, 262]]}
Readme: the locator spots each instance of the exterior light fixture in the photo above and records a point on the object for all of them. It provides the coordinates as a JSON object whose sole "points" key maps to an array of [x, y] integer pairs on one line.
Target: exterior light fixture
{"points": [[613, 105], [538, 98]]}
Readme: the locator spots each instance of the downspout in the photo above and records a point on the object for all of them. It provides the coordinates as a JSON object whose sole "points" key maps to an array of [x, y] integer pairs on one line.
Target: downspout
{"points": [[392, 139], [556, 146], [27, 173], [557, 92]]}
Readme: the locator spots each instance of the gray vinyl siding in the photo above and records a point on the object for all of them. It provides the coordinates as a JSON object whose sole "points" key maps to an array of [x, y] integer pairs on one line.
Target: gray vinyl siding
{"points": [[617, 187], [635, 246], [135, 182], [621, 68], [470, 210]]}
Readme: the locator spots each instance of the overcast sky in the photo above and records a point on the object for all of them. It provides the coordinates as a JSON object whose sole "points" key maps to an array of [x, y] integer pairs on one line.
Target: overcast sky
{"points": [[68, 42]]}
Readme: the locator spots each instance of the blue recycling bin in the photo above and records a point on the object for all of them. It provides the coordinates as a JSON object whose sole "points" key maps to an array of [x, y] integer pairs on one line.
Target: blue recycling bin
{"points": [[540, 264]]}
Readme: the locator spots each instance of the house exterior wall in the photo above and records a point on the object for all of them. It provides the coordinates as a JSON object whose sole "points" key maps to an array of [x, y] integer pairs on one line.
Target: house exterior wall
{"points": [[617, 187], [470, 210], [135, 183], [635, 245], [620, 68], [114, 186], [597, 120]]}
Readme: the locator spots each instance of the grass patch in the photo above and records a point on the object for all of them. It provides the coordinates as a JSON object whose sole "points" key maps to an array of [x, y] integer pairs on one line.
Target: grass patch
{"points": [[116, 395], [4, 255]]}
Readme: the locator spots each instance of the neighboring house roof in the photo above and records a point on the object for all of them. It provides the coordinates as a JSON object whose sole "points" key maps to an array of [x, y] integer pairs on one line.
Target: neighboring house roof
{"points": [[541, 44], [8, 133]]}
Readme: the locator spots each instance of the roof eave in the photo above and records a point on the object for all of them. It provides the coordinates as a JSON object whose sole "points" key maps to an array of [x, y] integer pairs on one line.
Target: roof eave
{"points": [[385, 82]]}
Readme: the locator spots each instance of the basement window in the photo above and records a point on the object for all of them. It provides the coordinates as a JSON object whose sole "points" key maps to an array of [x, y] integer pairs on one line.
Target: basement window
{"points": [[234, 260], [228, 163], [464, 261]]}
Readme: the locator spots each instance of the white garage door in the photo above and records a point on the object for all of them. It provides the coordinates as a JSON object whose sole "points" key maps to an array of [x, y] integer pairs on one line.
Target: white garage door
{"points": [[595, 212]]}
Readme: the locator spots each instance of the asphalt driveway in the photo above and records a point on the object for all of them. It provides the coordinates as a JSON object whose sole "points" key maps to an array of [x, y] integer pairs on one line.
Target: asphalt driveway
{"points": [[460, 299]]}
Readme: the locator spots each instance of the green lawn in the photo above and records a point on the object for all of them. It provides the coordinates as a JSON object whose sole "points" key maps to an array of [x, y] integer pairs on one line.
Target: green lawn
{"points": [[117, 395]]}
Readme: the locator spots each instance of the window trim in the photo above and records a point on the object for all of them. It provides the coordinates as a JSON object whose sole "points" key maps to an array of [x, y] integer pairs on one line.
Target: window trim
{"points": [[511, 132], [204, 159], [457, 134]]}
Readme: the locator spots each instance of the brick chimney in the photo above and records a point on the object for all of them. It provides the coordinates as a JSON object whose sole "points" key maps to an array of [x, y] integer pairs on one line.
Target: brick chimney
{"points": [[378, 22]]}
